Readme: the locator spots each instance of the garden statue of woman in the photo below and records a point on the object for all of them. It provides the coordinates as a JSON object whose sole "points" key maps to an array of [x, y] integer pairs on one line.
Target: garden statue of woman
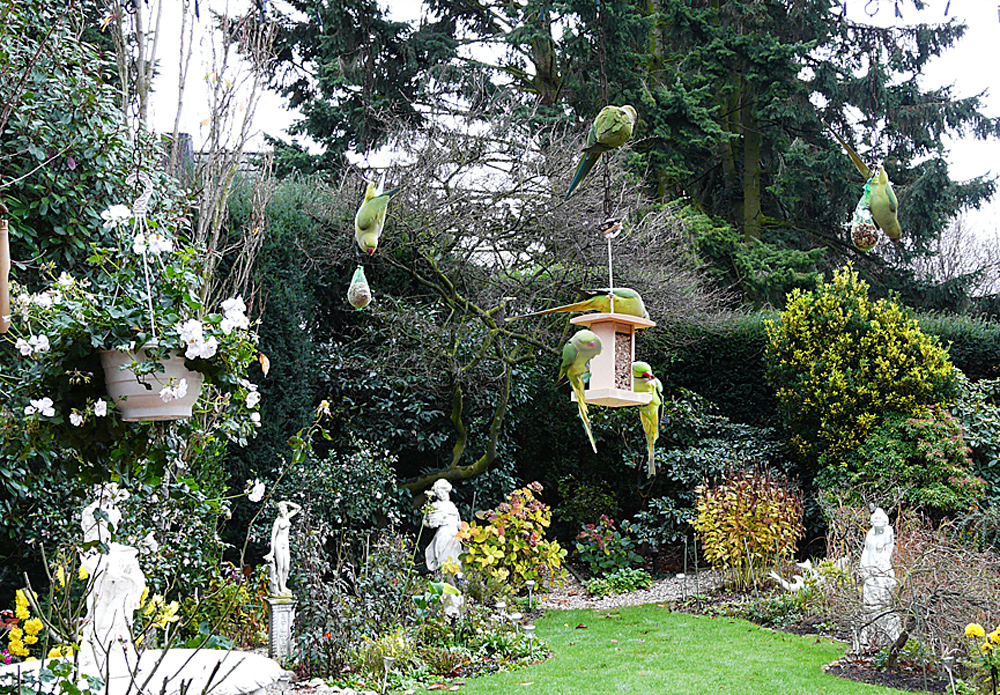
{"points": [[114, 591], [280, 558], [879, 579], [444, 517]]}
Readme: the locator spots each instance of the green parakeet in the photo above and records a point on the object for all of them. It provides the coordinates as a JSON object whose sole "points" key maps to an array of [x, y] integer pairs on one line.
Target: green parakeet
{"points": [[612, 128], [359, 294], [881, 199], [370, 220], [627, 301], [643, 381], [581, 348]]}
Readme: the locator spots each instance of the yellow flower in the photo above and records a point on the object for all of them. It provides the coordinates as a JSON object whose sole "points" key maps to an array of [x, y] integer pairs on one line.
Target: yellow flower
{"points": [[145, 595], [60, 576], [33, 626], [30, 639], [60, 650], [974, 630], [83, 573], [168, 615], [21, 605], [987, 647]]}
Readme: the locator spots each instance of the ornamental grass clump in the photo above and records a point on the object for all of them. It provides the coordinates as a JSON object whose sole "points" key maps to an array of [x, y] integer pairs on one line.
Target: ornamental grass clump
{"points": [[746, 522]]}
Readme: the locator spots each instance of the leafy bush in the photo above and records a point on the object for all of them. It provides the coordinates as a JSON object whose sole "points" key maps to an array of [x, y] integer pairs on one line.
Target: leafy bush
{"points": [[978, 410], [232, 608], [511, 546], [622, 581], [605, 549], [745, 520], [838, 362], [394, 644], [973, 344], [771, 611], [344, 601], [923, 455]]}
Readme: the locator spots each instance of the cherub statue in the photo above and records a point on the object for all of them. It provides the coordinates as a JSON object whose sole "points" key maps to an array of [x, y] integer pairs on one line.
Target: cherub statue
{"points": [[444, 517]]}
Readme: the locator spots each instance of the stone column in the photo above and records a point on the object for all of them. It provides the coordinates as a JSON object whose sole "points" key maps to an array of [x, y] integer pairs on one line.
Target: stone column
{"points": [[280, 616]]}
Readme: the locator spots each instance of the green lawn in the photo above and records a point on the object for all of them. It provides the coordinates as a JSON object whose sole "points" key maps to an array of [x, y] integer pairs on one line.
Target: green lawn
{"points": [[648, 649]]}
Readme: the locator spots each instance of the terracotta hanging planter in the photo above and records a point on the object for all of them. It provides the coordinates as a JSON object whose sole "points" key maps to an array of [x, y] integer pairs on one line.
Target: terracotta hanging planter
{"points": [[156, 397]]}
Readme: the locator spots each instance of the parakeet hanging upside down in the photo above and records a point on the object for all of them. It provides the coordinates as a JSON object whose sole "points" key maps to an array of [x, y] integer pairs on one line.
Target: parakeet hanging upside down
{"points": [[612, 128], [370, 219], [627, 301], [643, 381], [882, 199], [581, 348]]}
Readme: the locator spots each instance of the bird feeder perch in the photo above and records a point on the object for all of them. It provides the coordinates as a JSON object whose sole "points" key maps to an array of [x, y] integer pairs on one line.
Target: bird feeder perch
{"points": [[611, 371]]}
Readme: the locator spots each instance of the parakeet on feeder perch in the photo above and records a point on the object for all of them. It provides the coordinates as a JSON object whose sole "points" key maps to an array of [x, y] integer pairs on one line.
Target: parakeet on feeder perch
{"points": [[359, 294], [370, 219], [649, 414], [581, 349], [627, 301], [612, 128]]}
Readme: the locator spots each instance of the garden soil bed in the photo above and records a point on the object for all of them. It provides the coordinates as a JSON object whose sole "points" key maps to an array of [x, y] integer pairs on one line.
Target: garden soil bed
{"points": [[913, 681]]}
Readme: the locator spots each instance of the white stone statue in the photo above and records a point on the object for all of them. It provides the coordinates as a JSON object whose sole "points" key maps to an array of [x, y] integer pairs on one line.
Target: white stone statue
{"points": [[445, 518], [114, 591], [279, 560], [879, 580]]}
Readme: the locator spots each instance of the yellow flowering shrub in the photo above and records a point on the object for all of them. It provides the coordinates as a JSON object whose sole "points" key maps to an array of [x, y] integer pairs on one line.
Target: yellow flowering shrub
{"points": [[985, 649], [838, 361], [23, 630]]}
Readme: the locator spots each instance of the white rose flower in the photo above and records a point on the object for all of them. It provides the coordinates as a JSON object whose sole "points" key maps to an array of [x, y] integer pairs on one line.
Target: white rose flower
{"points": [[234, 305], [100, 407], [159, 244], [116, 215], [139, 244], [44, 406], [191, 331], [253, 398], [257, 493], [75, 419], [205, 349], [43, 299], [39, 343], [255, 418]]}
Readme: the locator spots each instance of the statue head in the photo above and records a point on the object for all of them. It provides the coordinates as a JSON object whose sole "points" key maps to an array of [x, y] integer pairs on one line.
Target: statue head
{"points": [[879, 518], [440, 489]]}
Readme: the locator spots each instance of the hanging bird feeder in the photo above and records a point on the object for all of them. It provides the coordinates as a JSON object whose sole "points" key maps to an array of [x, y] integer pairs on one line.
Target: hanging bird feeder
{"points": [[611, 370]]}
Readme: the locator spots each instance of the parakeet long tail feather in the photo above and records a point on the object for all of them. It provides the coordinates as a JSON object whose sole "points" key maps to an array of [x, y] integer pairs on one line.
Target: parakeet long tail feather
{"points": [[858, 162], [578, 306], [582, 404], [586, 164]]}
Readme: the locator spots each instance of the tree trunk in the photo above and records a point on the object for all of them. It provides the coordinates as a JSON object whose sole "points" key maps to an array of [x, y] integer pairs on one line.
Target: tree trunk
{"points": [[751, 165]]}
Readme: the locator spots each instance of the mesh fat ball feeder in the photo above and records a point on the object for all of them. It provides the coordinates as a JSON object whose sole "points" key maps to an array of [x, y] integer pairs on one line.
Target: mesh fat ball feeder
{"points": [[611, 370]]}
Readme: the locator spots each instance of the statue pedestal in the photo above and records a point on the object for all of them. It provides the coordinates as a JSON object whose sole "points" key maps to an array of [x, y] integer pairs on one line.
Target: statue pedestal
{"points": [[280, 614]]}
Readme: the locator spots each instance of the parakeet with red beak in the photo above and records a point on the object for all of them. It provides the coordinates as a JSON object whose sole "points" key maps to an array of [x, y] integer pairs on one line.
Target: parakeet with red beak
{"points": [[581, 348], [643, 381]]}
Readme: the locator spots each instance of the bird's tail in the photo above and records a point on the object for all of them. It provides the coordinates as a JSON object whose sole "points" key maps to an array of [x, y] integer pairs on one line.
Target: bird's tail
{"points": [[586, 164], [578, 306], [582, 404], [858, 162], [651, 470], [650, 427]]}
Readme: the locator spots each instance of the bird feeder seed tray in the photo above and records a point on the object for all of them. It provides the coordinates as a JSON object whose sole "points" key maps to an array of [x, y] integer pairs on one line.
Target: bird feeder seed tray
{"points": [[611, 371]]}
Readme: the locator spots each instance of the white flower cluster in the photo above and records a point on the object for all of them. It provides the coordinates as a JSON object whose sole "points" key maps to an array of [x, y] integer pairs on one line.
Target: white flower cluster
{"points": [[256, 493], [192, 332], [153, 243], [116, 215], [234, 312], [33, 345], [42, 406], [178, 390], [76, 418]]}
